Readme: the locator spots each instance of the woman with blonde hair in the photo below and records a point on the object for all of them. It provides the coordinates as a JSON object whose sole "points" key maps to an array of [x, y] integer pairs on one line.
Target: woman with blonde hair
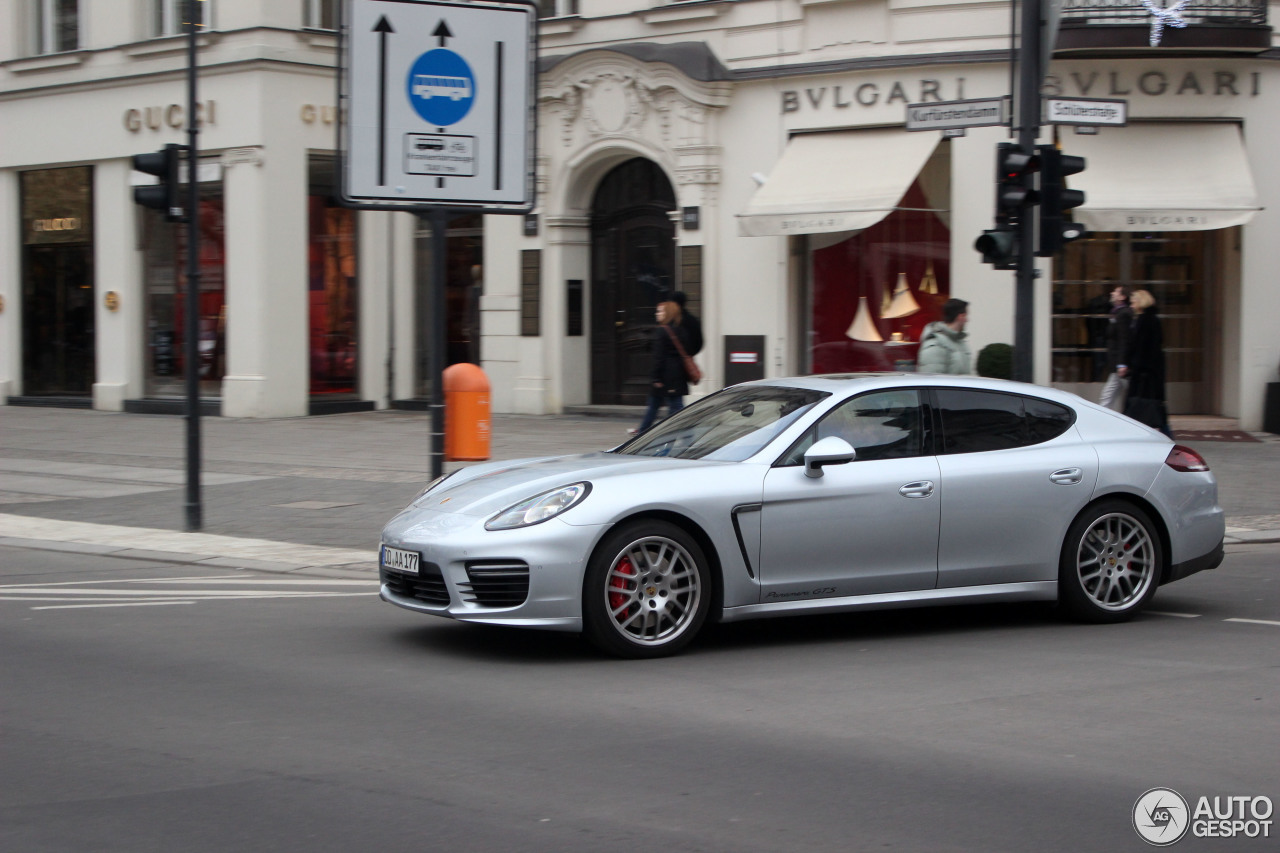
{"points": [[1144, 365]]}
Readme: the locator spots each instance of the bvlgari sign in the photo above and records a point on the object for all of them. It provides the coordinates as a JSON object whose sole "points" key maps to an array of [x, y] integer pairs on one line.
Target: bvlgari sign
{"points": [[851, 95]]}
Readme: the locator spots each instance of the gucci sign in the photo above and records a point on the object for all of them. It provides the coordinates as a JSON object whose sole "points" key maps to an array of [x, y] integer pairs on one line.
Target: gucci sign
{"points": [[67, 223]]}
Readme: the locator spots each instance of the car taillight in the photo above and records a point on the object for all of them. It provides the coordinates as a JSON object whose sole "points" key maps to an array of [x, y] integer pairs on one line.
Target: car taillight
{"points": [[1185, 459]]}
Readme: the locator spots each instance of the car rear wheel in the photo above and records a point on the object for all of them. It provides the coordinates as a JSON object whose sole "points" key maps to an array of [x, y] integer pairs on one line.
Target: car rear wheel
{"points": [[1110, 563], [647, 590]]}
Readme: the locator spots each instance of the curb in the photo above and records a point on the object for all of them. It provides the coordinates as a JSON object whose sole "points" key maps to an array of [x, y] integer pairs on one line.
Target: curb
{"points": [[206, 549]]}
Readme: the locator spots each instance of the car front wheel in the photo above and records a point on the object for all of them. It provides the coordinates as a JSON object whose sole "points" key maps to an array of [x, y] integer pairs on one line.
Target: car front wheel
{"points": [[1110, 563], [647, 590]]}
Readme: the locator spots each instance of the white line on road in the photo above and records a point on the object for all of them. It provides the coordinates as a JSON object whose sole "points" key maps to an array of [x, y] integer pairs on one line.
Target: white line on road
{"points": [[135, 604], [1172, 613], [1255, 621]]}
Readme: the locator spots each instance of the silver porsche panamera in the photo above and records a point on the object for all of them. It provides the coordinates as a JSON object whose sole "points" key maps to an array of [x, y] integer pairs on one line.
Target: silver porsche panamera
{"points": [[816, 494]]}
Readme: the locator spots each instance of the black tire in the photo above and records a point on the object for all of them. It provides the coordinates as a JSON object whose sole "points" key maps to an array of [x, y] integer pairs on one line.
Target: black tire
{"points": [[1111, 563], [650, 610]]}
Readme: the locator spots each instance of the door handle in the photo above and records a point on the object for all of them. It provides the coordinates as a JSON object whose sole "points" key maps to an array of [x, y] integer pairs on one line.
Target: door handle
{"points": [[1066, 476], [919, 489]]}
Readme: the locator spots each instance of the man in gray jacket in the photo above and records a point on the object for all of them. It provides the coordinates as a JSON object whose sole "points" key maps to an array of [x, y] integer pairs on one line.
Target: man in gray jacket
{"points": [[943, 348]]}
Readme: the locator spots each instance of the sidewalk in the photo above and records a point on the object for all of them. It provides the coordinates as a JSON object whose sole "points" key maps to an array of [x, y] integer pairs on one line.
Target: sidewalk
{"points": [[311, 494]]}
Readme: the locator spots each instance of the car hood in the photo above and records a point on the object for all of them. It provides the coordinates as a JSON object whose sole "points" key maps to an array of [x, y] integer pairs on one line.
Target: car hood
{"points": [[488, 489]]}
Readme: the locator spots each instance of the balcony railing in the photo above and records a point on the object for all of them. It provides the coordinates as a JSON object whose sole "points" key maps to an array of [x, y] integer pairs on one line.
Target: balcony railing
{"points": [[1201, 26], [1214, 12]]}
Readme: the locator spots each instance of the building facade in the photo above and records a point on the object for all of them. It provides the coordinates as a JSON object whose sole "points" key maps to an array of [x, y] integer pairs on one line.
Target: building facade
{"points": [[749, 152]]}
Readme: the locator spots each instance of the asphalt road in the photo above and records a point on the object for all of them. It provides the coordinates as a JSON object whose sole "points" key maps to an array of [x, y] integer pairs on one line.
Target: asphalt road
{"points": [[150, 707]]}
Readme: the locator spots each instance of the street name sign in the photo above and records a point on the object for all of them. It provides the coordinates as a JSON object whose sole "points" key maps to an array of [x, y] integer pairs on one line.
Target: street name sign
{"points": [[1086, 111], [982, 112], [437, 104]]}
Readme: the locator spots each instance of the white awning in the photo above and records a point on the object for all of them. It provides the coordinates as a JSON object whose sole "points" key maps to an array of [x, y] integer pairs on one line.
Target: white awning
{"points": [[1163, 177], [841, 181]]}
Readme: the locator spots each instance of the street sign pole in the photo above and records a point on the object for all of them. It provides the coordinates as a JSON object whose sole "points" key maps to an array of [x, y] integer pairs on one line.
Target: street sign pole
{"points": [[439, 219]]}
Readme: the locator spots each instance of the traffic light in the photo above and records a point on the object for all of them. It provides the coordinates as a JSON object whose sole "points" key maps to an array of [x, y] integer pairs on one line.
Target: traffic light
{"points": [[1056, 201], [1015, 191], [999, 247], [163, 196]]}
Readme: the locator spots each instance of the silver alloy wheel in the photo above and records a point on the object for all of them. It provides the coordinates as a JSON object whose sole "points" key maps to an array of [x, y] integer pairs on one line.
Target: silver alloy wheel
{"points": [[652, 591], [1116, 561]]}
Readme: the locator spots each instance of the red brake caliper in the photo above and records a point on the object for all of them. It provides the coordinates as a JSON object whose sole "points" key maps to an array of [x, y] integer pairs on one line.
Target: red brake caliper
{"points": [[617, 599]]}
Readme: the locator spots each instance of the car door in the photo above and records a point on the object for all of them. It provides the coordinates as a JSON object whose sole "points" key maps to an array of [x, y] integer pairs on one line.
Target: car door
{"points": [[865, 527], [1014, 474]]}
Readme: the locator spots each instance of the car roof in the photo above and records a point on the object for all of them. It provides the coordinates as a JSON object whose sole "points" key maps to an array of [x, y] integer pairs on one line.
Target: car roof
{"points": [[846, 383]]}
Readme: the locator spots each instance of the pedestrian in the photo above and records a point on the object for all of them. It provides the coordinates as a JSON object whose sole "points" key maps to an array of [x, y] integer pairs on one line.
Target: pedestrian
{"points": [[668, 381], [690, 322], [1118, 328], [943, 348], [1144, 365]]}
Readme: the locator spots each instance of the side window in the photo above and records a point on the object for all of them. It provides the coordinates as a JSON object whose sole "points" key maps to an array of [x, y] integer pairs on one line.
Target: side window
{"points": [[978, 421], [879, 425], [1047, 420]]}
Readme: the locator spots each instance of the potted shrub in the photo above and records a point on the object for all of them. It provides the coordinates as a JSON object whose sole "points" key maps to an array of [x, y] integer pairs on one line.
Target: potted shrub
{"points": [[995, 361]]}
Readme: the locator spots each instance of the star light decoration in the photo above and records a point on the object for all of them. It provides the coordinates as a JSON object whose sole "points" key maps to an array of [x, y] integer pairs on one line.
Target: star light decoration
{"points": [[1164, 16]]}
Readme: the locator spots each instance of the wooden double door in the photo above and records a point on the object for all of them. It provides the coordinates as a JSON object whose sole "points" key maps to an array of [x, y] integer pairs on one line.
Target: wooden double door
{"points": [[633, 259]]}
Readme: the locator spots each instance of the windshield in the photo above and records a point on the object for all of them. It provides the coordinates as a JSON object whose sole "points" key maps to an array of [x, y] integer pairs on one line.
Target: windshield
{"points": [[729, 426]]}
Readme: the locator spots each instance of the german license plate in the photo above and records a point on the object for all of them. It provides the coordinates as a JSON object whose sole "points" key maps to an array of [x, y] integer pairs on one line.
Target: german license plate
{"points": [[400, 560]]}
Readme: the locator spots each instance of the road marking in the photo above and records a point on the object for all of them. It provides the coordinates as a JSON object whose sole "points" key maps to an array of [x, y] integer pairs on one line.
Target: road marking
{"points": [[1254, 621], [134, 604], [1172, 613], [125, 592]]}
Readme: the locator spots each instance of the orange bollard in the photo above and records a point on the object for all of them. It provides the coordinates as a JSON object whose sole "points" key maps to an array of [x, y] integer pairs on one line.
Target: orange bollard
{"points": [[466, 413]]}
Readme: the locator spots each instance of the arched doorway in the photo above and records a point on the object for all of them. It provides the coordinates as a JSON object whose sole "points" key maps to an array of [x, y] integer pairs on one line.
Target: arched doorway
{"points": [[633, 257]]}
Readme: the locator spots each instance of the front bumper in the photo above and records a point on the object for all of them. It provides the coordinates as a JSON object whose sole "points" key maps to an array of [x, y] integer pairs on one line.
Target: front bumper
{"points": [[529, 577]]}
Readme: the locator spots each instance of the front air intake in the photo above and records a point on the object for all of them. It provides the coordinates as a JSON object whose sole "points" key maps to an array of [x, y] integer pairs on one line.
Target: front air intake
{"points": [[496, 583]]}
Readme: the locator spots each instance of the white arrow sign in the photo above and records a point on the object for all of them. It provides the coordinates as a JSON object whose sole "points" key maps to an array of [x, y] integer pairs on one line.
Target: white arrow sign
{"points": [[438, 104]]}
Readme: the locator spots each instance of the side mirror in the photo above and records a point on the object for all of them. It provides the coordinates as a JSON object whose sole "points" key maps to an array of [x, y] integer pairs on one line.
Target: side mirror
{"points": [[831, 450]]}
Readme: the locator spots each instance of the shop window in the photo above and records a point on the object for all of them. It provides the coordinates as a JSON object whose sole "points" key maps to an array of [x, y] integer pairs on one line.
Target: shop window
{"points": [[691, 278], [464, 285], [873, 293], [332, 296], [169, 17], [557, 8], [530, 292], [57, 26], [1175, 266], [320, 14], [165, 279]]}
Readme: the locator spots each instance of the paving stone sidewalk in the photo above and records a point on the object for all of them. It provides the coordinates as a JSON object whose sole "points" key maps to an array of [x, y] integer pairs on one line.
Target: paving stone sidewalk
{"points": [[311, 494]]}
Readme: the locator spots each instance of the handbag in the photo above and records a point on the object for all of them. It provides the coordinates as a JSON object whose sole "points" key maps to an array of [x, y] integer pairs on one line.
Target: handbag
{"points": [[691, 371]]}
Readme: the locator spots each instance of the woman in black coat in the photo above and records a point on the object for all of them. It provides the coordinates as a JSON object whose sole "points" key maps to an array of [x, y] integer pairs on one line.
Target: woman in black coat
{"points": [[1144, 362], [669, 383]]}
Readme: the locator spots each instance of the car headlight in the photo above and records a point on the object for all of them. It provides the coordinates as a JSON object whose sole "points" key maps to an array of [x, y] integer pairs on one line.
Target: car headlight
{"points": [[437, 481], [538, 508]]}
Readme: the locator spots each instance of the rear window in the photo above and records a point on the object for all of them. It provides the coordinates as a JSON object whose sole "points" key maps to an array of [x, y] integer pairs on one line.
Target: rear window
{"points": [[978, 421]]}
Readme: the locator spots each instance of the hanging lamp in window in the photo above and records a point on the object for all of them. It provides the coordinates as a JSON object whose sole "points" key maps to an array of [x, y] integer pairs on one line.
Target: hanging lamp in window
{"points": [[863, 328], [903, 304]]}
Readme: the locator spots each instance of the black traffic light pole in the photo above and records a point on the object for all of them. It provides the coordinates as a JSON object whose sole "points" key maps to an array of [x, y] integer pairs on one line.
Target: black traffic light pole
{"points": [[1027, 123], [191, 344]]}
